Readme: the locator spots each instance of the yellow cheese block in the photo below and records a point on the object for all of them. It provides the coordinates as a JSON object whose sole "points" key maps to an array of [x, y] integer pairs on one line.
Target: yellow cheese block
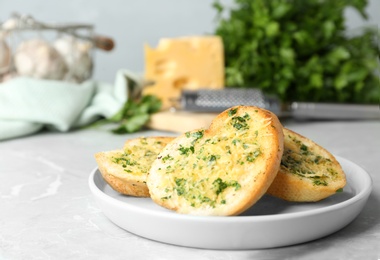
{"points": [[184, 63]]}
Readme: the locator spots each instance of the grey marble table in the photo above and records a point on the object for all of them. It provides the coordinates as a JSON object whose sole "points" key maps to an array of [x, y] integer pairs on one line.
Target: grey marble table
{"points": [[48, 212]]}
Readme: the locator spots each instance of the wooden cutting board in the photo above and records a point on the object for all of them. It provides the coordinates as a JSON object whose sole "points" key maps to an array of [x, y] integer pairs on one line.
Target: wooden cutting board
{"points": [[180, 121]]}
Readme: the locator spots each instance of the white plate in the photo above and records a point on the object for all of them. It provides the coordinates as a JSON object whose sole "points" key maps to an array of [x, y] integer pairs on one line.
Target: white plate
{"points": [[269, 223]]}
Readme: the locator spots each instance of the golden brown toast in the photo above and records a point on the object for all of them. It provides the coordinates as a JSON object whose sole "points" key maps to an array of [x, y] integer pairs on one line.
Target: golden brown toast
{"points": [[308, 172], [222, 170], [125, 170]]}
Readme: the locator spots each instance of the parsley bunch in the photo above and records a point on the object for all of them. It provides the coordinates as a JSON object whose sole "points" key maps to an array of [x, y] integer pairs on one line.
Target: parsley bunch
{"points": [[299, 50], [134, 114]]}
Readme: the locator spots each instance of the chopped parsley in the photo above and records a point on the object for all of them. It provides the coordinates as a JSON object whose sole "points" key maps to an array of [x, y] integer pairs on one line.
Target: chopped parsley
{"points": [[304, 149], [124, 161], [186, 150], [319, 182], [180, 184], [167, 158], [240, 122], [212, 158], [232, 112], [251, 157], [197, 135], [220, 185]]}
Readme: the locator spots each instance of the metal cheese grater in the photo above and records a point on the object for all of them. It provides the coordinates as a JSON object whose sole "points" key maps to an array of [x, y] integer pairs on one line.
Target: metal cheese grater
{"points": [[207, 100]]}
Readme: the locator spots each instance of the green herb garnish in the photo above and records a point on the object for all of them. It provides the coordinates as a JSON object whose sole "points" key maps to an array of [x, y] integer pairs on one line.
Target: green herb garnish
{"points": [[240, 123], [232, 112], [220, 185], [167, 158], [197, 135], [186, 150], [180, 185]]}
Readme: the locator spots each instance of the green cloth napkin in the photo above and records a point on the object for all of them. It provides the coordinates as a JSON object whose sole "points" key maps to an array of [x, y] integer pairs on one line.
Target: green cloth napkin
{"points": [[27, 105]]}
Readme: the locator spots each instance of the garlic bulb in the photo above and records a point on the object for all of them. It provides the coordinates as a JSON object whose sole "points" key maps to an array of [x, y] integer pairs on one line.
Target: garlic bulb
{"points": [[77, 56], [10, 24], [5, 56], [36, 58]]}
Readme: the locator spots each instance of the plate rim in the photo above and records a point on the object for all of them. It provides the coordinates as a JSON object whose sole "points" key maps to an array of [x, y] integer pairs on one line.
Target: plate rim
{"points": [[363, 193]]}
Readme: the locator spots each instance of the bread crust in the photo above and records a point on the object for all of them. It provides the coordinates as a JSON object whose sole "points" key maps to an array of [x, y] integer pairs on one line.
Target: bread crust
{"points": [[222, 170], [125, 170], [308, 172]]}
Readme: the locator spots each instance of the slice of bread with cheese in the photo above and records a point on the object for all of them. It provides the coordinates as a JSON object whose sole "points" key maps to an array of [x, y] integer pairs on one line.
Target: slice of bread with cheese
{"points": [[308, 172], [125, 170], [222, 170]]}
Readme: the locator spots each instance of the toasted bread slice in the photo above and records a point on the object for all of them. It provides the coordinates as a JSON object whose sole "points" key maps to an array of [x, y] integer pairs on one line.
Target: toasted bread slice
{"points": [[308, 172], [222, 170], [125, 170]]}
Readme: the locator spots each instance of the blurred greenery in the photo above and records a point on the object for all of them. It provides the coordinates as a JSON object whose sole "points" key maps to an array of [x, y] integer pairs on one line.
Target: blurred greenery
{"points": [[133, 116], [300, 50]]}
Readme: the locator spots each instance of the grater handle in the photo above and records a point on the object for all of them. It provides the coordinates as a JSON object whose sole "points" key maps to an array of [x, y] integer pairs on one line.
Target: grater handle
{"points": [[306, 110]]}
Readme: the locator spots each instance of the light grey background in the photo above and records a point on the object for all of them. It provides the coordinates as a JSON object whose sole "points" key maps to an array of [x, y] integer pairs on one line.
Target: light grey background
{"points": [[131, 23]]}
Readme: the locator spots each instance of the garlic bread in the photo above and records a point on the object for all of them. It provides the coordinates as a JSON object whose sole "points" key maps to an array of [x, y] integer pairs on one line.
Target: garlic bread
{"points": [[222, 170], [125, 170], [308, 172]]}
